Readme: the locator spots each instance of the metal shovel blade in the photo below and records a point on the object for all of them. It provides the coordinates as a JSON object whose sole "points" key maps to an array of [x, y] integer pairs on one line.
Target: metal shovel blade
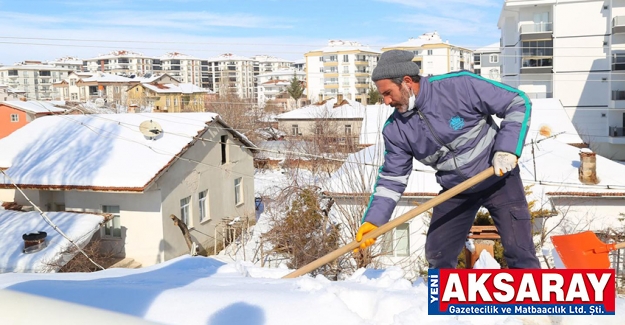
{"points": [[582, 251]]}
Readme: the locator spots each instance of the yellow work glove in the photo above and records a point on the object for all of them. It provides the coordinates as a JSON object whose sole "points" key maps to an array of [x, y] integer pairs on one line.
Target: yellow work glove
{"points": [[363, 230], [504, 162]]}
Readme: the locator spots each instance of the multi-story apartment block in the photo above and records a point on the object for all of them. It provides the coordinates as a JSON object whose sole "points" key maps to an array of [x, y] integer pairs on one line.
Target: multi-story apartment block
{"points": [[68, 62], [183, 67], [268, 63], [231, 74], [34, 78], [124, 63], [572, 50], [273, 86], [340, 70], [486, 62], [435, 56]]}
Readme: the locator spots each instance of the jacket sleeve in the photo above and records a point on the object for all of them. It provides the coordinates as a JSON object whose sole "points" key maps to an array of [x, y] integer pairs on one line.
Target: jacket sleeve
{"points": [[508, 103], [390, 184]]}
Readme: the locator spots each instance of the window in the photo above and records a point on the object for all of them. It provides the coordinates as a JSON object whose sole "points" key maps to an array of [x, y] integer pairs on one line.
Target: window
{"points": [[238, 191], [74, 96], [346, 69], [477, 71], [397, 242], [295, 129], [72, 82], [348, 129], [345, 58], [185, 210], [430, 52], [224, 149], [493, 58], [15, 118], [112, 228], [203, 208]]}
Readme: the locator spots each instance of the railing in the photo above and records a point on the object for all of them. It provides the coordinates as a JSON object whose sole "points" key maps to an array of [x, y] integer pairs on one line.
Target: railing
{"points": [[539, 95], [617, 132], [618, 21], [618, 94], [537, 27]]}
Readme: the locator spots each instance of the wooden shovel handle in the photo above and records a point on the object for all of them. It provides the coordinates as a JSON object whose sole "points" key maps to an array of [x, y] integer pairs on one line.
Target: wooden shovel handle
{"points": [[619, 246], [394, 223]]}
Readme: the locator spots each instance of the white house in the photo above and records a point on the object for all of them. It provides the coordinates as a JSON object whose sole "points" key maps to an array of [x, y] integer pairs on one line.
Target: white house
{"points": [[196, 168], [555, 187], [275, 83], [547, 51]]}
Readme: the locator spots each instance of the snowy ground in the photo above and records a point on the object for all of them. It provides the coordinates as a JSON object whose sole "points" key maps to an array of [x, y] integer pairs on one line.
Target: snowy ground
{"points": [[199, 290]]}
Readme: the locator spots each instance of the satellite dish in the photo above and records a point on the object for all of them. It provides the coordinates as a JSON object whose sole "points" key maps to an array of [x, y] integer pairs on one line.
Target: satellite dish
{"points": [[151, 129], [99, 102]]}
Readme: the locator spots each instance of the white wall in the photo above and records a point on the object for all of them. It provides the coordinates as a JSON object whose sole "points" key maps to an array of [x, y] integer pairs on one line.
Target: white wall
{"points": [[582, 89], [569, 16], [314, 78], [581, 54]]}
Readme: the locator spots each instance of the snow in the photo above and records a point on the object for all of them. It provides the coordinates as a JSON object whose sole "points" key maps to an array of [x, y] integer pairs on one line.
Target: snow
{"points": [[200, 290], [34, 106], [96, 150], [183, 88], [373, 123], [107, 77], [492, 48], [13, 224], [353, 110]]}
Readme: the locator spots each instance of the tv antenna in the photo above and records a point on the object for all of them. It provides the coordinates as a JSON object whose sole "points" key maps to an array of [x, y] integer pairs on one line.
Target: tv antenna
{"points": [[151, 129]]}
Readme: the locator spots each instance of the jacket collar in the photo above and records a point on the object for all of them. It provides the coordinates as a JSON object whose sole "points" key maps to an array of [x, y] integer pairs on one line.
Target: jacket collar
{"points": [[421, 97]]}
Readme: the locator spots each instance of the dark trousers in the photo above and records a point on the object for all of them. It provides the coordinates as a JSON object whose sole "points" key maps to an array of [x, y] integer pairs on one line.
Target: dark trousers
{"points": [[506, 203]]}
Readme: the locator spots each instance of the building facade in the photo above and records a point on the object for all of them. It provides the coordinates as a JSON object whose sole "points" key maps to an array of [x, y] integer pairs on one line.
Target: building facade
{"points": [[272, 85], [435, 56], [183, 67], [547, 52], [124, 62], [487, 63], [34, 78], [231, 74], [340, 70]]}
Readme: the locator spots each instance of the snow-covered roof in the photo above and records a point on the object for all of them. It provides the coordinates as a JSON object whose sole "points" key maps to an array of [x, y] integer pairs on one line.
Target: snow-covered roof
{"points": [[97, 152], [177, 56], [13, 224], [118, 54], [492, 48], [426, 38], [283, 72], [38, 66], [372, 123], [229, 57], [183, 88], [269, 58], [339, 46], [550, 118], [67, 60], [108, 77], [35, 106], [353, 110]]}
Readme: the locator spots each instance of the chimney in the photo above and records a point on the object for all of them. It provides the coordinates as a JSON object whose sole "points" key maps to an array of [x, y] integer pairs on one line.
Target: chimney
{"points": [[588, 168]]}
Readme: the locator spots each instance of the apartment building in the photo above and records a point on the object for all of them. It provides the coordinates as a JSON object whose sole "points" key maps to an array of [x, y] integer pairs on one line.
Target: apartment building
{"points": [[273, 86], [68, 62], [183, 67], [123, 63], [340, 70], [435, 56], [487, 63], [34, 78], [7, 93], [268, 63], [574, 51], [231, 74]]}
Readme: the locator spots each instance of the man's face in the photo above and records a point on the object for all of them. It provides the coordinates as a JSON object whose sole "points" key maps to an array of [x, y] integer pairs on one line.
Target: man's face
{"points": [[394, 95]]}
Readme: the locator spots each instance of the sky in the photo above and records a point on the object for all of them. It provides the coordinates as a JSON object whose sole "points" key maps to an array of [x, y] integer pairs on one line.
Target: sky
{"points": [[46, 30]]}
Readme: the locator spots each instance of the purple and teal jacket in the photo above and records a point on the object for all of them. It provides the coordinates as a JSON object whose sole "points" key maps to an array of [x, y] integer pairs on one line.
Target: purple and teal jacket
{"points": [[450, 129]]}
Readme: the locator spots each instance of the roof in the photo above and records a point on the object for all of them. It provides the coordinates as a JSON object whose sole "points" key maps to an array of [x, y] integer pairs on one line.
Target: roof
{"points": [[229, 57], [178, 56], [67, 60], [183, 88], [13, 224], [35, 106], [100, 152], [373, 122], [107, 77], [340, 46], [353, 110], [492, 48], [117, 54], [549, 117], [269, 58]]}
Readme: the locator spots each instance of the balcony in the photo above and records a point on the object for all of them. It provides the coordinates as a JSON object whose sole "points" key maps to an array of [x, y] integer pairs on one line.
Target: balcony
{"points": [[537, 65], [330, 63], [618, 61], [618, 25], [616, 132], [535, 31]]}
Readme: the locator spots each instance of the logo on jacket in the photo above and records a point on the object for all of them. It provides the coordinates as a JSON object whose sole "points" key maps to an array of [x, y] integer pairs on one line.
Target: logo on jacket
{"points": [[456, 123]]}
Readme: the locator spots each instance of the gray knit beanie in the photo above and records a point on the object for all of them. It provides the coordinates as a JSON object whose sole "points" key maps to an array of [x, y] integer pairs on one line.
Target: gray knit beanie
{"points": [[395, 64]]}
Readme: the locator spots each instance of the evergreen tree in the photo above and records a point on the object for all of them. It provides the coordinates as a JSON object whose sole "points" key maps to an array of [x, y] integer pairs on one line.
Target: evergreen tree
{"points": [[374, 96], [295, 89]]}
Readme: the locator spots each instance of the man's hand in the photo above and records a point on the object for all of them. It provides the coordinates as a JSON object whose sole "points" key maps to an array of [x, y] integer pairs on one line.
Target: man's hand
{"points": [[504, 162], [363, 230]]}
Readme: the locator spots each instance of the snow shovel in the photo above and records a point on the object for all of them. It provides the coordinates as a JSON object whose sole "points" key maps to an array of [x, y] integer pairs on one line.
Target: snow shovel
{"points": [[394, 223], [584, 250]]}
